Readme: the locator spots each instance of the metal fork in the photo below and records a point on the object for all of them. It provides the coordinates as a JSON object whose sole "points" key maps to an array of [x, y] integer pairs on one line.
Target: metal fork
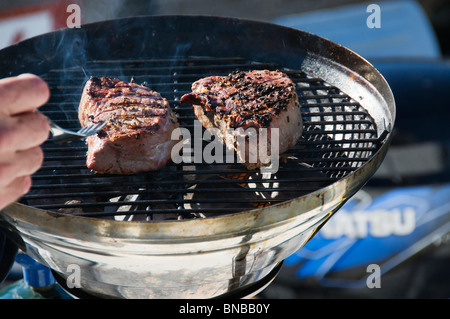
{"points": [[61, 135]]}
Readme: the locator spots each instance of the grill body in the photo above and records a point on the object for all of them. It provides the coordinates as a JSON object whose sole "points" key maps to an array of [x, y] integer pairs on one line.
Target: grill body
{"points": [[348, 112]]}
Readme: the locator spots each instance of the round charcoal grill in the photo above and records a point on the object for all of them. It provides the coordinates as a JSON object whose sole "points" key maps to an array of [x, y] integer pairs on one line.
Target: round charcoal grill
{"points": [[194, 229]]}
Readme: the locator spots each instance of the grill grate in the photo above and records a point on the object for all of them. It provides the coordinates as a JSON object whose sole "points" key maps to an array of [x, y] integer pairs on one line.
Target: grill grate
{"points": [[338, 137]]}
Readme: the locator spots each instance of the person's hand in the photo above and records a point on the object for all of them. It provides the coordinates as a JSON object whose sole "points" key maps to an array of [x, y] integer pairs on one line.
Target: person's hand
{"points": [[22, 131]]}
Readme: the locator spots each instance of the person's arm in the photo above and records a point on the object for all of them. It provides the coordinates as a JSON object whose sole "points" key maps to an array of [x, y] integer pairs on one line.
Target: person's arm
{"points": [[22, 131]]}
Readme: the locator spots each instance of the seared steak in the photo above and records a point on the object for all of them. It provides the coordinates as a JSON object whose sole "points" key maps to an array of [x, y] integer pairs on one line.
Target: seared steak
{"points": [[137, 136], [259, 99]]}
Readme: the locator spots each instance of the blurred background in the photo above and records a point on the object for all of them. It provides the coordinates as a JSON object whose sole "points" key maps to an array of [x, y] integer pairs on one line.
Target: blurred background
{"points": [[400, 221], [24, 18]]}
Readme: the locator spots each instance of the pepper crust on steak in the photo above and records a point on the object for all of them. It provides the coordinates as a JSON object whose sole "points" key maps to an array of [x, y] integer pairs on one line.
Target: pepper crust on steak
{"points": [[137, 136], [255, 99]]}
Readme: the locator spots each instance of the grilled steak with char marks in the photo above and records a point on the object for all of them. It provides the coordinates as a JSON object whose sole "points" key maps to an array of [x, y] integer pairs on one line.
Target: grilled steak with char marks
{"points": [[137, 136], [256, 99]]}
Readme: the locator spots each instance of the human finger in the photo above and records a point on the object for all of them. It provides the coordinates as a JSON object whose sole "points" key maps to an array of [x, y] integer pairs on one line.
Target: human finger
{"points": [[13, 191], [21, 132], [19, 164], [23, 93]]}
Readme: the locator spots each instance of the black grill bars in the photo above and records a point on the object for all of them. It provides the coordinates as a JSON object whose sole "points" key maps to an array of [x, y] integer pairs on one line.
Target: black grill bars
{"points": [[338, 137]]}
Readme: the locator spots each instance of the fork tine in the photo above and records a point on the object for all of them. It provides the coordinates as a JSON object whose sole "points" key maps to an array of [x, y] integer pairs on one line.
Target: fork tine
{"points": [[83, 130], [60, 135], [92, 129]]}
